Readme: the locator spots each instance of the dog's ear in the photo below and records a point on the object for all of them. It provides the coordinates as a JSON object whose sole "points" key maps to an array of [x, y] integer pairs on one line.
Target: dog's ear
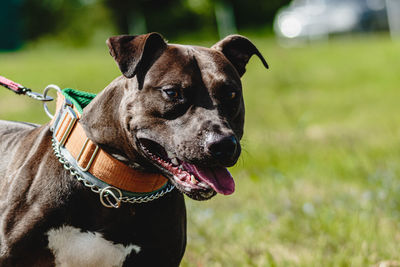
{"points": [[238, 50], [135, 54]]}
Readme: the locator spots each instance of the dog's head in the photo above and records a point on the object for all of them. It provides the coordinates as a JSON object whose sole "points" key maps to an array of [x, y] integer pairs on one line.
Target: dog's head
{"points": [[183, 108]]}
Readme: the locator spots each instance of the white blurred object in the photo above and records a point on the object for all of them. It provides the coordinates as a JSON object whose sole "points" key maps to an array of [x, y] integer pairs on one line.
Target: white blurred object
{"points": [[316, 19], [393, 11], [290, 26]]}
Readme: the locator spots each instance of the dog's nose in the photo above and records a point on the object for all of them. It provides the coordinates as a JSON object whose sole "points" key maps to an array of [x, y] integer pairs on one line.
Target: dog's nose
{"points": [[224, 149]]}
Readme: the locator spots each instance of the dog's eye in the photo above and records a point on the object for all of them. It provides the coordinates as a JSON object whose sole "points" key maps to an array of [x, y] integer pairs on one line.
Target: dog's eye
{"points": [[172, 93], [232, 95]]}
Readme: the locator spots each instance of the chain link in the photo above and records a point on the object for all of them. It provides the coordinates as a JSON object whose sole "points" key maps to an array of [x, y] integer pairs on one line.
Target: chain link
{"points": [[75, 173]]}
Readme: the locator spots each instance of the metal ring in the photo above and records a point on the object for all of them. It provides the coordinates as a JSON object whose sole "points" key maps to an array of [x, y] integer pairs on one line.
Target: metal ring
{"points": [[46, 109], [109, 191]]}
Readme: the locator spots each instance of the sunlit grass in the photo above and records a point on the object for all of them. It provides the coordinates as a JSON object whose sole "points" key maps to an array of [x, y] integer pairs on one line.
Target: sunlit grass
{"points": [[318, 182]]}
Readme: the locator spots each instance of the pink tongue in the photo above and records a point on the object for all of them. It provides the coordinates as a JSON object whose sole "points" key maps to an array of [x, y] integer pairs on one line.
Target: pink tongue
{"points": [[218, 178]]}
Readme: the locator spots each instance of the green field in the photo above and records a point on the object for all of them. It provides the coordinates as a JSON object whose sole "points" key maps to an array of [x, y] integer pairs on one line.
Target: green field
{"points": [[318, 183]]}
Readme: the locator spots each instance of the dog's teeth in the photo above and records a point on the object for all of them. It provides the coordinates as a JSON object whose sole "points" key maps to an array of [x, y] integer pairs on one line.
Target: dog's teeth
{"points": [[170, 155], [192, 179], [202, 184], [175, 161]]}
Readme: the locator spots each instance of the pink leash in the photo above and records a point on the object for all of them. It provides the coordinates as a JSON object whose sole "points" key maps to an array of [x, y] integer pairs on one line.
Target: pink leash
{"points": [[22, 90]]}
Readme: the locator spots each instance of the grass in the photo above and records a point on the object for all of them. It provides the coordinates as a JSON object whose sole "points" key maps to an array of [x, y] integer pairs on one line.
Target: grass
{"points": [[318, 181]]}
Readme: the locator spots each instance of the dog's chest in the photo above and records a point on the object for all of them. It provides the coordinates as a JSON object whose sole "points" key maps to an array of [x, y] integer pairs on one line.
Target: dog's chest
{"points": [[72, 247]]}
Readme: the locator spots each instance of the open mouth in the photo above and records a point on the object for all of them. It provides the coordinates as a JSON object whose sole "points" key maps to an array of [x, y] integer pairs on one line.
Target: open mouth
{"points": [[198, 182]]}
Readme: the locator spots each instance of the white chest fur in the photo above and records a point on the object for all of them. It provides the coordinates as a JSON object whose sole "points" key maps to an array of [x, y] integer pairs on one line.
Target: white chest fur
{"points": [[72, 247]]}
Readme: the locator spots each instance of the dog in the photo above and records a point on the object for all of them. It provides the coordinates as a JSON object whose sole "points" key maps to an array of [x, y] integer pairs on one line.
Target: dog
{"points": [[176, 111]]}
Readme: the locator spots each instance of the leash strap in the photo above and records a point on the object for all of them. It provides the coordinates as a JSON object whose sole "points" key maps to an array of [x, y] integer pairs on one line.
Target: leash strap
{"points": [[16, 87], [22, 90]]}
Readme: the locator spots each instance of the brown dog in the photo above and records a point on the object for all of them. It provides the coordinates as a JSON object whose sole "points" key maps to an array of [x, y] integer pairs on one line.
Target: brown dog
{"points": [[177, 110]]}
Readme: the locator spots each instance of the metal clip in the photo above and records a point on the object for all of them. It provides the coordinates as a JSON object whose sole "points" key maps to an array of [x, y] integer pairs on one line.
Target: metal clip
{"points": [[105, 194], [38, 96]]}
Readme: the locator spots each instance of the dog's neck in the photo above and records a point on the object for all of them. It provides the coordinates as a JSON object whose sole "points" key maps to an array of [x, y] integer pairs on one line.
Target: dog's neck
{"points": [[102, 122]]}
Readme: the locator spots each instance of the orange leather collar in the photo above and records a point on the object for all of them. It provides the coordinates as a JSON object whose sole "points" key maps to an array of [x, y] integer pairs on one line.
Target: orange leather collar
{"points": [[69, 133]]}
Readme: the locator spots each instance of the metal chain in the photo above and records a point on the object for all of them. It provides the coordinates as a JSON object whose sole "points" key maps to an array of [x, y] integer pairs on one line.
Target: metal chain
{"points": [[75, 173]]}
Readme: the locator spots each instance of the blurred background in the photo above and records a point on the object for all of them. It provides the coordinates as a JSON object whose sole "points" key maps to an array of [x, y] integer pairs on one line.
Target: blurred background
{"points": [[318, 181]]}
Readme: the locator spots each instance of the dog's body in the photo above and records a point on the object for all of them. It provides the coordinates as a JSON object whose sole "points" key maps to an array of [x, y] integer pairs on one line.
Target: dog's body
{"points": [[39, 195], [182, 100]]}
